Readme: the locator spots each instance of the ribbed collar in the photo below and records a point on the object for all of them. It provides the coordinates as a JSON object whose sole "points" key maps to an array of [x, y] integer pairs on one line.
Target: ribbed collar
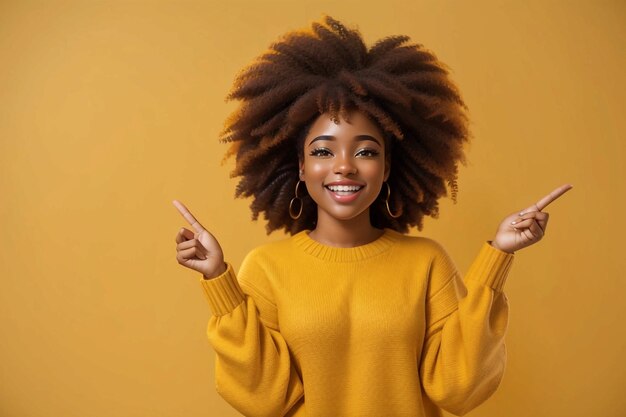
{"points": [[336, 254]]}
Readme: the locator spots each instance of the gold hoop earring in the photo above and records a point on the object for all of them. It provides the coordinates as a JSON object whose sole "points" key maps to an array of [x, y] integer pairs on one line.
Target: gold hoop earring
{"points": [[297, 216], [395, 216]]}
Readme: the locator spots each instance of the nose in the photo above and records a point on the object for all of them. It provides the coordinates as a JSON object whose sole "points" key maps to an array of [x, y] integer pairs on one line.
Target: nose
{"points": [[344, 165]]}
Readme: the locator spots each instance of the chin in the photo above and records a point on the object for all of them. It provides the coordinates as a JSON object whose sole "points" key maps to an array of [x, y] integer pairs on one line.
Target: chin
{"points": [[348, 214]]}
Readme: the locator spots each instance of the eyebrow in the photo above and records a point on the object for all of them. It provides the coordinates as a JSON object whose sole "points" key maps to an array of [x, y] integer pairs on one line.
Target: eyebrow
{"points": [[359, 138]]}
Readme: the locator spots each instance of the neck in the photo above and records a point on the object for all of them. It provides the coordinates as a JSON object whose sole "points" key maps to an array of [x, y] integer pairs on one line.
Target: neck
{"points": [[344, 233]]}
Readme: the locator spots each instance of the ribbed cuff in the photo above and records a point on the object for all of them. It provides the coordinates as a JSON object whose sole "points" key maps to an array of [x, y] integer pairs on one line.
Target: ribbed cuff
{"points": [[223, 292], [491, 267]]}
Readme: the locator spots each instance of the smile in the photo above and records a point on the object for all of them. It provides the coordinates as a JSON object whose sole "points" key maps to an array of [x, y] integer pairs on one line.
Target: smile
{"points": [[343, 189], [344, 193]]}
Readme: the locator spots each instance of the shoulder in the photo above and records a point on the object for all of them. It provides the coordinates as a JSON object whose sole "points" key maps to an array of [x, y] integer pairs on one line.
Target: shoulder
{"points": [[269, 248], [427, 250], [260, 274], [269, 252], [425, 245]]}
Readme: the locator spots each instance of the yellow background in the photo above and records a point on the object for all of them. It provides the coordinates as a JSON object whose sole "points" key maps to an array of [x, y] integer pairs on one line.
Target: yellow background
{"points": [[109, 110]]}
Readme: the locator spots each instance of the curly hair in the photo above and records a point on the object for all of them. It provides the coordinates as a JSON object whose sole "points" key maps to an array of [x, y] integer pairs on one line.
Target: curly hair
{"points": [[403, 88]]}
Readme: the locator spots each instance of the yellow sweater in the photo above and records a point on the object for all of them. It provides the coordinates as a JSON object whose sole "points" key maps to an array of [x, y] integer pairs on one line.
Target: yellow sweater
{"points": [[381, 330]]}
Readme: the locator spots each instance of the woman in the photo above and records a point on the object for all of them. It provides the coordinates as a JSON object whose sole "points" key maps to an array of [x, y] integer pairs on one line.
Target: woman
{"points": [[345, 148]]}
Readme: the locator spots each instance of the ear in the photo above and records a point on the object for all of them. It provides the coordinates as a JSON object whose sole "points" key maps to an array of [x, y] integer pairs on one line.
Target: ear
{"points": [[301, 169], [387, 168]]}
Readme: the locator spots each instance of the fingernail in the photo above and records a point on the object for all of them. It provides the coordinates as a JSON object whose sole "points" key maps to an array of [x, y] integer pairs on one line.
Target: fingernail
{"points": [[522, 213], [513, 222]]}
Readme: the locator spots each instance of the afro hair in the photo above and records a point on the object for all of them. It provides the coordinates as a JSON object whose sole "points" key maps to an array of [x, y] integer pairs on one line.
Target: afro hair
{"points": [[402, 87]]}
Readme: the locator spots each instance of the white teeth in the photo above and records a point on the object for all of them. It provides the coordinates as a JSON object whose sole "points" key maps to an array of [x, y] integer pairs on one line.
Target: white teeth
{"points": [[345, 188]]}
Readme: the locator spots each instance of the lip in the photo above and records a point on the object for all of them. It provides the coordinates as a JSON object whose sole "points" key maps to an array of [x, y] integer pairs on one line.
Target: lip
{"points": [[344, 198], [344, 182]]}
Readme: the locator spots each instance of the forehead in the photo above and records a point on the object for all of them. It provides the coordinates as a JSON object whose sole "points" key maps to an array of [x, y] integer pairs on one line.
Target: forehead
{"points": [[358, 124]]}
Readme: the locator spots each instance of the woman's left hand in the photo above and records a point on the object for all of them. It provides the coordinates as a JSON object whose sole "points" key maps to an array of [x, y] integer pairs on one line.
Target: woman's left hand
{"points": [[521, 229]]}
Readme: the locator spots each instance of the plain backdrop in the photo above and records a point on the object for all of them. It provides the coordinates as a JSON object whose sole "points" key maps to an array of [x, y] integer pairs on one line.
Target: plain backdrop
{"points": [[109, 110]]}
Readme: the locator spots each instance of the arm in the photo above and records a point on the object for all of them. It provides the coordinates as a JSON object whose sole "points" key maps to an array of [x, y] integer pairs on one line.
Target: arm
{"points": [[464, 354], [253, 369]]}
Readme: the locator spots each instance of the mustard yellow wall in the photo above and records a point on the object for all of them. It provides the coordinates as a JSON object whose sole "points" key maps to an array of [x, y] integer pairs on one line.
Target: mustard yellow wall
{"points": [[109, 110]]}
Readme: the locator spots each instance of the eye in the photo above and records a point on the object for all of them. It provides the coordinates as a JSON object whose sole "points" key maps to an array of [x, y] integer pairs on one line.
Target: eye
{"points": [[367, 152], [320, 152]]}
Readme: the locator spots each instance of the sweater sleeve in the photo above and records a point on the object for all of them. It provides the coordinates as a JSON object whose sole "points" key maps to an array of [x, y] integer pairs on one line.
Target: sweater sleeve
{"points": [[253, 369], [464, 354]]}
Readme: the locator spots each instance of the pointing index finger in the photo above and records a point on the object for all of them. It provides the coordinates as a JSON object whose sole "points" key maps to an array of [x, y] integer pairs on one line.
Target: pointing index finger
{"points": [[541, 204], [188, 216]]}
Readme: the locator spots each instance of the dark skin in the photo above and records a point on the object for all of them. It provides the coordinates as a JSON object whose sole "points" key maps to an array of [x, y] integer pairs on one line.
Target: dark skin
{"points": [[341, 150], [519, 230]]}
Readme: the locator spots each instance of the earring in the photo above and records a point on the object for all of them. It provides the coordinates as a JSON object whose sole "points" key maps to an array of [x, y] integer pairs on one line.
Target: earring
{"points": [[395, 216], [297, 216]]}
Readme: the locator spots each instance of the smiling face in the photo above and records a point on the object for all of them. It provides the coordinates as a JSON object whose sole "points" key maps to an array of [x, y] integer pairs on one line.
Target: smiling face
{"points": [[344, 166]]}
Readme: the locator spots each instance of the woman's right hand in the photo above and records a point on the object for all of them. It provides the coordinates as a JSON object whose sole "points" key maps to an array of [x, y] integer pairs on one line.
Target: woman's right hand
{"points": [[199, 251]]}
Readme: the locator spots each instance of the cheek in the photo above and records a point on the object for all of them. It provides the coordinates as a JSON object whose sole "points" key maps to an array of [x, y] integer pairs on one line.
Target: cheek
{"points": [[315, 168], [375, 170]]}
